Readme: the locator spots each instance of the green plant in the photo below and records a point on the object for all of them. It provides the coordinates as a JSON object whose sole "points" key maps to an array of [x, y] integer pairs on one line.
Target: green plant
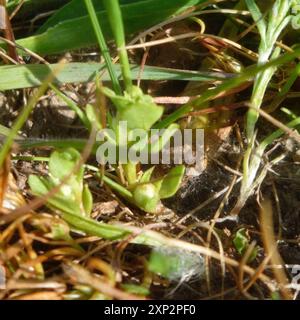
{"points": [[241, 243], [270, 29], [139, 111]]}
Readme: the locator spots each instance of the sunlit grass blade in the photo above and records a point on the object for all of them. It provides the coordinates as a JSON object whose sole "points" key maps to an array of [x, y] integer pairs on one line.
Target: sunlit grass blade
{"points": [[117, 26], [258, 17], [103, 46], [32, 75]]}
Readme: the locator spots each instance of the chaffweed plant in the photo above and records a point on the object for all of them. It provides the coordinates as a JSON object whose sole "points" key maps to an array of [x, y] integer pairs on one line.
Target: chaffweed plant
{"points": [[132, 107], [270, 28], [139, 111]]}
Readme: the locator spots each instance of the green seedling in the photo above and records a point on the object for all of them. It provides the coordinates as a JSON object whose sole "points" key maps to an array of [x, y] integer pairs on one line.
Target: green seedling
{"points": [[241, 243]]}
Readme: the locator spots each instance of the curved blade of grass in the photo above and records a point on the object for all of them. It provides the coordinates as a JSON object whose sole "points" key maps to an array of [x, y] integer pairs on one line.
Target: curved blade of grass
{"points": [[95, 228], [32, 75], [247, 75], [75, 9], [258, 17], [103, 46], [116, 23], [76, 33]]}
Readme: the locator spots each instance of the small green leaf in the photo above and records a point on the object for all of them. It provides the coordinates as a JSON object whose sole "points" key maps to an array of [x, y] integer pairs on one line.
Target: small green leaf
{"points": [[87, 200], [161, 264], [137, 109], [276, 295], [147, 175], [37, 185], [241, 241], [62, 163], [95, 228], [72, 197], [60, 231], [171, 182], [41, 186]]}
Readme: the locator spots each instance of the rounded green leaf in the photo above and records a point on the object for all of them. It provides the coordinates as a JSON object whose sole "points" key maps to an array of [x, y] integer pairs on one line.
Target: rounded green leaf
{"points": [[171, 182]]}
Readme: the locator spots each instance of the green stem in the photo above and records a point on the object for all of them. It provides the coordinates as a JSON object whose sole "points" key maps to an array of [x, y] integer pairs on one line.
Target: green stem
{"points": [[259, 90], [130, 172], [116, 22], [115, 186], [103, 46]]}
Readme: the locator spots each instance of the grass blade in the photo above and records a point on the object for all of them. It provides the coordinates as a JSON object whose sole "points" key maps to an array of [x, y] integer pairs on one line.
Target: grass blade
{"points": [[32, 75], [247, 75], [116, 23], [103, 46], [76, 33]]}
